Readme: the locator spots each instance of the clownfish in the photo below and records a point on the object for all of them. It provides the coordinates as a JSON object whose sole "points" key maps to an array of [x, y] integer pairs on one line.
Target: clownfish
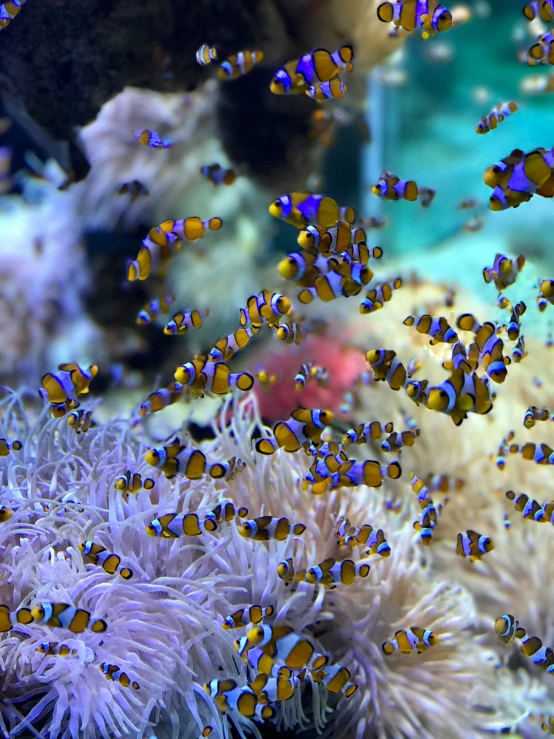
{"points": [[409, 640], [352, 536], [8, 10], [226, 347], [513, 328], [55, 649], [543, 657], [473, 545], [239, 64], [528, 507], [165, 240], [225, 511], [507, 627], [96, 554], [174, 525], [379, 295], [206, 54], [366, 432], [442, 483], [516, 178], [368, 472], [438, 329], [395, 441], [266, 307], [491, 121], [218, 175], [543, 9], [5, 514], [310, 370], [302, 427], [134, 189], [391, 187], [336, 679], [151, 138], [335, 239], [289, 333], [302, 209], [265, 528], [386, 368], [282, 644], [244, 616], [6, 447], [542, 52], [80, 421], [175, 458], [203, 376], [229, 697], [546, 294], [538, 453], [504, 271], [265, 379], [67, 616], [183, 322], [519, 352], [460, 394], [334, 89], [534, 414], [113, 672], [345, 280], [312, 69], [9, 619], [161, 398], [132, 483], [430, 16], [426, 196]]}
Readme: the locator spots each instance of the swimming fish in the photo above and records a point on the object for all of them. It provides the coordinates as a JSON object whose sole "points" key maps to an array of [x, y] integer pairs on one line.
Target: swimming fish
{"points": [[226, 347], [265, 528], [428, 519], [514, 326], [538, 453], [334, 89], [151, 138], [203, 376], [546, 294], [533, 414], [61, 388], [519, 352], [161, 398], [336, 679], [174, 458], [507, 627], [80, 421], [226, 511], [67, 616], [132, 483], [426, 196], [5, 514], [542, 52], [460, 394], [206, 54], [113, 672], [266, 307], [409, 640], [183, 322], [500, 457], [310, 370], [543, 9], [391, 187], [377, 296], [6, 447], [302, 209], [153, 308], [473, 545], [528, 507], [491, 121], [397, 440], [489, 345], [96, 554], [174, 525], [344, 280], [304, 426], [218, 175], [331, 572], [244, 616], [316, 67], [504, 271], [543, 657], [265, 379], [9, 619], [368, 472], [238, 64], [289, 333], [437, 328], [519, 176], [8, 10], [282, 644], [366, 432], [55, 649], [386, 368], [352, 536], [229, 697], [443, 483], [468, 204], [134, 189], [287, 572]]}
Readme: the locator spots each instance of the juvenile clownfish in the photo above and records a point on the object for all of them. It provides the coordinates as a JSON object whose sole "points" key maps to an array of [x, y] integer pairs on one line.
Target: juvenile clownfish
{"points": [[519, 352], [151, 138], [67, 616], [245, 616], [489, 346], [332, 239], [513, 328], [238, 64], [54, 649], [368, 472], [6, 447], [202, 376], [265, 379], [226, 511], [182, 322], [538, 453], [546, 294], [175, 458], [379, 295], [352, 536], [397, 440], [530, 508], [336, 679], [206, 54], [534, 414], [438, 329], [61, 389], [80, 421], [134, 189], [96, 554], [161, 398], [386, 368], [460, 394], [113, 672], [334, 89], [9, 619], [8, 10], [265, 528], [218, 175], [507, 628], [174, 525], [314, 68], [428, 519], [302, 209], [491, 121], [473, 545], [226, 347], [310, 370], [132, 483], [409, 640], [504, 271], [165, 240], [366, 432], [266, 307], [391, 187], [426, 196], [289, 333], [302, 427]]}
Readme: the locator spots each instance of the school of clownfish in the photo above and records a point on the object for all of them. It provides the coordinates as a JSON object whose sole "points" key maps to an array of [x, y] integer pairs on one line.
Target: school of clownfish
{"points": [[332, 263]]}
